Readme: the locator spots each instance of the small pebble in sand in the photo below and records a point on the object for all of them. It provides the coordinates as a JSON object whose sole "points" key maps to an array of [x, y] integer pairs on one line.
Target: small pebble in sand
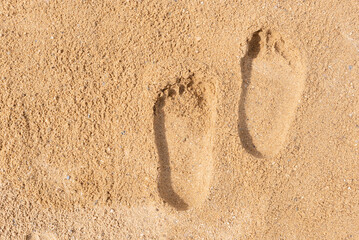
{"points": [[350, 67], [68, 177]]}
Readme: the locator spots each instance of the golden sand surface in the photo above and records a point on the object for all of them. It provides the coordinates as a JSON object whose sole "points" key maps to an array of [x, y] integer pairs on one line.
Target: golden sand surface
{"points": [[179, 119]]}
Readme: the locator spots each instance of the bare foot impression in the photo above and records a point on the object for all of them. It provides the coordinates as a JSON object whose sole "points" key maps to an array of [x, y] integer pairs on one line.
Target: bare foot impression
{"points": [[273, 74], [183, 123]]}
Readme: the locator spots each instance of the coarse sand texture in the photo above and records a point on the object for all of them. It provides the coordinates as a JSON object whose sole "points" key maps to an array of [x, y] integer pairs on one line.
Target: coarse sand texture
{"points": [[179, 119]]}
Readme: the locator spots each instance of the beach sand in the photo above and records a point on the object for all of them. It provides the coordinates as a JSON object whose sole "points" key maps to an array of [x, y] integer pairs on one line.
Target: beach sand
{"points": [[175, 119]]}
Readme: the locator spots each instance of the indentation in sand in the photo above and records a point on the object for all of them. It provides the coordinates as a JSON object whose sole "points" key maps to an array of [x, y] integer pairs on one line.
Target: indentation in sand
{"points": [[183, 123], [41, 236], [273, 74]]}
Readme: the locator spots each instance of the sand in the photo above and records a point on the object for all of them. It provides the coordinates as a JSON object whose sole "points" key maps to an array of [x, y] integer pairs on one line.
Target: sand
{"points": [[174, 119]]}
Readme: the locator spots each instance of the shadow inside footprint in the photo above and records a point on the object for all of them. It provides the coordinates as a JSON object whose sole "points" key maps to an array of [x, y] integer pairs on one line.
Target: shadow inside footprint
{"points": [[165, 187], [246, 72]]}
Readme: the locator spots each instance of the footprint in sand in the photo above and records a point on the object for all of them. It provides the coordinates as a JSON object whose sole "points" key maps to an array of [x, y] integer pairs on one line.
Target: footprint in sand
{"points": [[273, 74], [183, 125]]}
